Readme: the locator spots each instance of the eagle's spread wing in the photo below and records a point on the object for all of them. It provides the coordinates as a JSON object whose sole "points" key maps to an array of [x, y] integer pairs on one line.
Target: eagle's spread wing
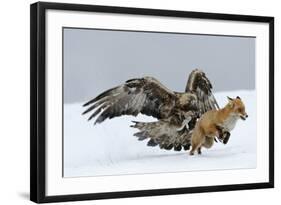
{"points": [[201, 86], [144, 95]]}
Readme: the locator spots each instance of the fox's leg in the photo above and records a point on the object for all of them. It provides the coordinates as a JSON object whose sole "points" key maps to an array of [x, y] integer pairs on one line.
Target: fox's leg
{"points": [[220, 133], [199, 150], [209, 141], [194, 148], [196, 143], [226, 137], [223, 136]]}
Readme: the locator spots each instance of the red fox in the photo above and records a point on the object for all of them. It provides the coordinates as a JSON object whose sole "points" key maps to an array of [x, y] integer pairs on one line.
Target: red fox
{"points": [[215, 122]]}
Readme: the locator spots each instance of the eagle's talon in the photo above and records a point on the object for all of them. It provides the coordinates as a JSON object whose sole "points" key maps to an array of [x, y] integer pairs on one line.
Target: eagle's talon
{"points": [[184, 124]]}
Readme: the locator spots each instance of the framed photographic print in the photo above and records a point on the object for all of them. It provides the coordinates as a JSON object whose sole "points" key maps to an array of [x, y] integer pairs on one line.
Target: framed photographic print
{"points": [[129, 102]]}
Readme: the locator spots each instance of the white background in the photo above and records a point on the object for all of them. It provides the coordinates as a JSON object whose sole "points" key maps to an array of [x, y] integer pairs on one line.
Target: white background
{"points": [[14, 103]]}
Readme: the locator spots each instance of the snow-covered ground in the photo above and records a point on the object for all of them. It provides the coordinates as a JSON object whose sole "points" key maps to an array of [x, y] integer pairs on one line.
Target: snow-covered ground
{"points": [[111, 149]]}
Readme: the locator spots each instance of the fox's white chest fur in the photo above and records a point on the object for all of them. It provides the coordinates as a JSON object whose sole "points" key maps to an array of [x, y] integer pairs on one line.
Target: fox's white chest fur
{"points": [[230, 123]]}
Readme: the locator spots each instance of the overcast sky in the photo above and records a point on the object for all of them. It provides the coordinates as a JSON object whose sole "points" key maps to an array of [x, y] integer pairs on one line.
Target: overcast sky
{"points": [[96, 60]]}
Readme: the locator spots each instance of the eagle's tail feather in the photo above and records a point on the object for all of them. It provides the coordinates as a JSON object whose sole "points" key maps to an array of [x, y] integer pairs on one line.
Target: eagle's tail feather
{"points": [[163, 134]]}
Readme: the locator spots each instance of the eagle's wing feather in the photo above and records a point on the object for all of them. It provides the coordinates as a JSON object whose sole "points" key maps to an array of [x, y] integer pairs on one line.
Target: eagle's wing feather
{"points": [[201, 86], [144, 95]]}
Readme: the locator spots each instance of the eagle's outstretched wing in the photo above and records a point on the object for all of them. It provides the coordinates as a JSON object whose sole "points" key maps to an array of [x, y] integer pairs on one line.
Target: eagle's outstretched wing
{"points": [[143, 95], [201, 86]]}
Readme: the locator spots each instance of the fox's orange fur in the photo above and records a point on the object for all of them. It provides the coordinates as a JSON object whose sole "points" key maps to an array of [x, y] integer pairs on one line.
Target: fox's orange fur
{"points": [[213, 122]]}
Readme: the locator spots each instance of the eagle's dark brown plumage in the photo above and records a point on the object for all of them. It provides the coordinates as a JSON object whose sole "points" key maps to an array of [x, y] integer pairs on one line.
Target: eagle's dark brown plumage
{"points": [[176, 112]]}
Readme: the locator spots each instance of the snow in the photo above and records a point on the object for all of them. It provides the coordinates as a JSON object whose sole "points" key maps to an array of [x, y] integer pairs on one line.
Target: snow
{"points": [[110, 148]]}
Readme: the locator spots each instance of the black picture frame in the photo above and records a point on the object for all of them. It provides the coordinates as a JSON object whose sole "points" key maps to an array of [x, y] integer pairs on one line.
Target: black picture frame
{"points": [[38, 101]]}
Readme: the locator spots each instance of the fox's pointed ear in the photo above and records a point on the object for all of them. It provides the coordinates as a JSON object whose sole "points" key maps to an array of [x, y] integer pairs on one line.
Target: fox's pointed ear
{"points": [[229, 98], [238, 98]]}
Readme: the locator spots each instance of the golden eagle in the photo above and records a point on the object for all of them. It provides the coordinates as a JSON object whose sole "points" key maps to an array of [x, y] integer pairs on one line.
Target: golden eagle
{"points": [[177, 112]]}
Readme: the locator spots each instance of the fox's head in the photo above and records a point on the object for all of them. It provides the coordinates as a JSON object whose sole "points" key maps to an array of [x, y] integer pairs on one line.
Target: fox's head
{"points": [[237, 107]]}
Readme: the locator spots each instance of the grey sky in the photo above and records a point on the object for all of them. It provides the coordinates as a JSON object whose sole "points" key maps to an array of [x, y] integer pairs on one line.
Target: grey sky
{"points": [[96, 60]]}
